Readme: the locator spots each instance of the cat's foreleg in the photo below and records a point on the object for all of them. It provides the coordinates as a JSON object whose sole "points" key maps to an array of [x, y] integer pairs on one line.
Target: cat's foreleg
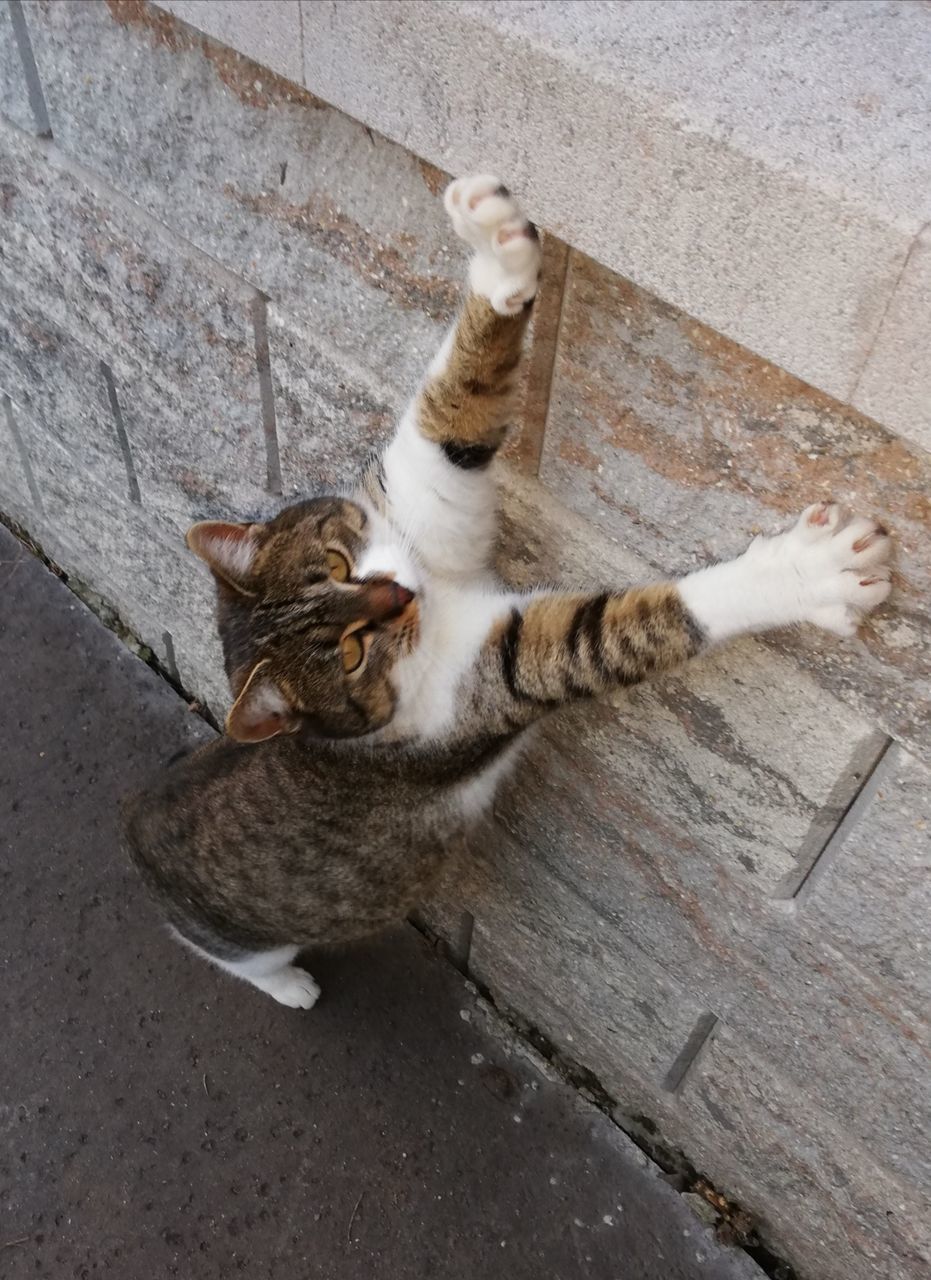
{"points": [[553, 648], [435, 471]]}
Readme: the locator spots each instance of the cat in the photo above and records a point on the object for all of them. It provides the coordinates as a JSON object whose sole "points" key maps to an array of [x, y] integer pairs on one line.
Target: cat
{"points": [[383, 678]]}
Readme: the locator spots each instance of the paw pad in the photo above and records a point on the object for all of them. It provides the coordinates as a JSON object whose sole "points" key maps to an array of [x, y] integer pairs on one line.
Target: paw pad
{"points": [[506, 264]]}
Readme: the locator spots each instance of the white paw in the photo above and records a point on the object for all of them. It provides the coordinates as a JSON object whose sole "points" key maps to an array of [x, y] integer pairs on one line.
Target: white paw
{"points": [[821, 570], [824, 570], [506, 265], [292, 987]]}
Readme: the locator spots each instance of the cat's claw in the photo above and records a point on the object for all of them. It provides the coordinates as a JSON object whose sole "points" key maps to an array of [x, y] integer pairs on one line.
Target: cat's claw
{"points": [[506, 265], [839, 571]]}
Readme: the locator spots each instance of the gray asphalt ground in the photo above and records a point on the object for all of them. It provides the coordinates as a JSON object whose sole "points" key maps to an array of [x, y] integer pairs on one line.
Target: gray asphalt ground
{"points": [[159, 1119]]}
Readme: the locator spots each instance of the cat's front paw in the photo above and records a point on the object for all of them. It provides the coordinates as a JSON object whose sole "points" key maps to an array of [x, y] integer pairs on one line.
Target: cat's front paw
{"points": [[506, 265], [825, 570]]}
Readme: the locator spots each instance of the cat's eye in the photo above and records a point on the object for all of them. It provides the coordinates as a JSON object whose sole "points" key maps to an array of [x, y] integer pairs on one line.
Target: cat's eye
{"points": [[352, 650], [338, 565]]}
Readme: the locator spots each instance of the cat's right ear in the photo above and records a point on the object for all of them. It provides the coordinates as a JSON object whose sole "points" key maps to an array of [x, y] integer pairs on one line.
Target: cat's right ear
{"points": [[229, 550]]}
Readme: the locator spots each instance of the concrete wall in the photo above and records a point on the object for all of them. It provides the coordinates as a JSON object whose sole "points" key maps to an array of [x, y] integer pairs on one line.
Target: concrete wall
{"points": [[215, 293]]}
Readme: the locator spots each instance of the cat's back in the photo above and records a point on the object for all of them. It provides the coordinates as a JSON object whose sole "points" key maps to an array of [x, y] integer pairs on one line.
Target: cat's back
{"points": [[228, 800], [225, 792]]}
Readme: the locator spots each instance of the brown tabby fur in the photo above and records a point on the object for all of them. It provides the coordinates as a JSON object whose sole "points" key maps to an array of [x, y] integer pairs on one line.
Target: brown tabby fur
{"points": [[321, 833]]}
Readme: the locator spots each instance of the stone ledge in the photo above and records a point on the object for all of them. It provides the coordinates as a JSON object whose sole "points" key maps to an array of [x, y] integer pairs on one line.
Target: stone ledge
{"points": [[764, 167]]}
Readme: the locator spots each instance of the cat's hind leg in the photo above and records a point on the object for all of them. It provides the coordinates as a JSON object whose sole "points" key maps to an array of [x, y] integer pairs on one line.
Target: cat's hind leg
{"points": [[273, 972]]}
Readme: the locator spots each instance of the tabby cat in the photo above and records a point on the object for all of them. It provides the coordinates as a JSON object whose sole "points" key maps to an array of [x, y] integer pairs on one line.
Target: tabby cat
{"points": [[383, 677]]}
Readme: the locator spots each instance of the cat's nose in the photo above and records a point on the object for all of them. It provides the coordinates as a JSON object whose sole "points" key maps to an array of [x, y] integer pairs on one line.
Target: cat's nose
{"points": [[384, 599]]}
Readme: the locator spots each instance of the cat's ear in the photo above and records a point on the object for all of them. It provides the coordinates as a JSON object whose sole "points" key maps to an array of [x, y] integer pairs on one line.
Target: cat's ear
{"points": [[229, 550], [261, 711]]}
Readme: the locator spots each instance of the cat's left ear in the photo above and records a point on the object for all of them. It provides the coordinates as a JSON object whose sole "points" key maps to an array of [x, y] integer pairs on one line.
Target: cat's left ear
{"points": [[229, 550], [261, 711]]}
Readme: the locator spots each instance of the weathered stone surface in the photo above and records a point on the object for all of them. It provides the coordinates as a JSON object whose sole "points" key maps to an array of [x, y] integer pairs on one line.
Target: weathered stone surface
{"points": [[556, 961], [531, 927], [14, 97], [565, 961], [59, 383], [526, 440], [16, 102], [895, 385], [873, 898], [15, 497], [836, 1211], [269, 29], [134, 560], [652, 883], [727, 188], [684, 444], [344, 230], [330, 414], [176, 330]]}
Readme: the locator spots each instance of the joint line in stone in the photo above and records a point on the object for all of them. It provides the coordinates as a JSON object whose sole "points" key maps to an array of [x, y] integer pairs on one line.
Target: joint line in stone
{"points": [[266, 393], [861, 800], [119, 426], [20, 444], [698, 1040], [30, 70]]}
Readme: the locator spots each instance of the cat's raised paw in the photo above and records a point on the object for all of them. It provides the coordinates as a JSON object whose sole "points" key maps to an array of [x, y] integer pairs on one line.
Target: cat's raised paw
{"points": [[506, 265], [839, 570]]}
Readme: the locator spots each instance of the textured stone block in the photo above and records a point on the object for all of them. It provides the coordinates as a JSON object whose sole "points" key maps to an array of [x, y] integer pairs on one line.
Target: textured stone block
{"points": [[836, 1212], [343, 229], [609, 976], [873, 897], [727, 188], [895, 385], [16, 499], [20, 101], [14, 97], [684, 445], [543, 950], [329, 416], [177, 331], [270, 30], [60, 384], [774, 977], [136, 562]]}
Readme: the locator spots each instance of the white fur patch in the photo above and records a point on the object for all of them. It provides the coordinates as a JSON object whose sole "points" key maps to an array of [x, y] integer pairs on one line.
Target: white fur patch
{"points": [[454, 623], [444, 513], [270, 971], [819, 571]]}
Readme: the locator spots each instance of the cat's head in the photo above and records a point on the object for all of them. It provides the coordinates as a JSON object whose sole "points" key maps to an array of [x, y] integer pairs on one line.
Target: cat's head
{"points": [[312, 617]]}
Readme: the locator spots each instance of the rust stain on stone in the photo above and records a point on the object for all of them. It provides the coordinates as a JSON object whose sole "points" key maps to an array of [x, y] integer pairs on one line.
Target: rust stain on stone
{"points": [[435, 180], [253, 84], [574, 452], [753, 429], [383, 266], [642, 389], [539, 366]]}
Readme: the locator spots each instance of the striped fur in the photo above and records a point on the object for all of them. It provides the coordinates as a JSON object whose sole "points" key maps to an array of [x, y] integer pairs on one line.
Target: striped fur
{"points": [[385, 677], [467, 406], [560, 648]]}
